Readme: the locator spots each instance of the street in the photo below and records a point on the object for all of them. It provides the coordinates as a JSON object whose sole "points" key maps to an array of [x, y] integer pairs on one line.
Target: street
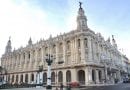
{"points": [[111, 87]]}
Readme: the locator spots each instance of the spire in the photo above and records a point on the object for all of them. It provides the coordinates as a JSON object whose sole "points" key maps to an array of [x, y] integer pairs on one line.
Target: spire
{"points": [[30, 41], [108, 40], [114, 41], [8, 46], [81, 19]]}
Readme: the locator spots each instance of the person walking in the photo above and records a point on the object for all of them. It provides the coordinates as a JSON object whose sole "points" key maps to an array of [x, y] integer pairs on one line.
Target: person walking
{"points": [[61, 86]]}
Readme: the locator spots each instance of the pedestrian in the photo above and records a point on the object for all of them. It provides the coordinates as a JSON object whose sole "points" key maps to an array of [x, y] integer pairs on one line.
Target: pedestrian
{"points": [[61, 86]]}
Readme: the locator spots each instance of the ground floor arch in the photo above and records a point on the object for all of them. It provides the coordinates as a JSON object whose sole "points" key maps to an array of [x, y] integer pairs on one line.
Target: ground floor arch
{"points": [[60, 77], [45, 78], [68, 76], [81, 76]]}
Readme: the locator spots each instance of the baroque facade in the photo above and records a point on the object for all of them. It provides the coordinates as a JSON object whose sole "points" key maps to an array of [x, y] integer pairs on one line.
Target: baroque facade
{"points": [[87, 58]]}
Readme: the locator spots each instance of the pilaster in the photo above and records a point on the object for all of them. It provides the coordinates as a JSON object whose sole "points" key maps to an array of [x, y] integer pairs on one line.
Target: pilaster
{"points": [[57, 52], [89, 49], [64, 51], [74, 75], [64, 77], [82, 50]]}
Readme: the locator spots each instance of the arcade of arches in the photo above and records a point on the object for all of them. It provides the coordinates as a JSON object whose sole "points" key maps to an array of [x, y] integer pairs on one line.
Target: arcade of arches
{"points": [[83, 76]]}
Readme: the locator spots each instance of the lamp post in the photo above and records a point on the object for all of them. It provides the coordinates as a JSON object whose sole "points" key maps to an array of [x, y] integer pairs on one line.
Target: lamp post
{"points": [[49, 60]]}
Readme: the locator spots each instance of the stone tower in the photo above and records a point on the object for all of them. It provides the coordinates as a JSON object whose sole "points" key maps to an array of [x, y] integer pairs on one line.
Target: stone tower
{"points": [[81, 19], [30, 41], [8, 48], [114, 42]]}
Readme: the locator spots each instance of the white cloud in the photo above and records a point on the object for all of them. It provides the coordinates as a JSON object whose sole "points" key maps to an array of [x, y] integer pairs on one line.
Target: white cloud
{"points": [[20, 21]]}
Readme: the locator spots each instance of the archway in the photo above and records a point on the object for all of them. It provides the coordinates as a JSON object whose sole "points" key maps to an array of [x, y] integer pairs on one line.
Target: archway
{"points": [[53, 77], [26, 78], [21, 78], [93, 76], [100, 75], [44, 78], [60, 77], [8, 78], [68, 76], [32, 77], [17, 78], [81, 76], [12, 78]]}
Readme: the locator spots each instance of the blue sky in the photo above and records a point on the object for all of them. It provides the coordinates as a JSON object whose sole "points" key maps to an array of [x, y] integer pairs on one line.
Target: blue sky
{"points": [[22, 19]]}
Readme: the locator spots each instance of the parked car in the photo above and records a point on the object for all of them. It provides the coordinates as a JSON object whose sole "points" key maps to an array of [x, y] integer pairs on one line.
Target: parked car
{"points": [[126, 80]]}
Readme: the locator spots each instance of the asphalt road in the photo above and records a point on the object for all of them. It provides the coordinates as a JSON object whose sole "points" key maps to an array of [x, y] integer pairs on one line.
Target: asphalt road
{"points": [[111, 87]]}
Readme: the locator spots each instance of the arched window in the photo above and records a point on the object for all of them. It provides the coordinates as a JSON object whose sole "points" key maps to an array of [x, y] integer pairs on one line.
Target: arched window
{"points": [[68, 45], [93, 75], [54, 49], [46, 50], [26, 78], [44, 78], [39, 52], [21, 78], [78, 43], [12, 78], [61, 48], [24, 56], [60, 77], [9, 78], [100, 75], [16, 78], [28, 55], [53, 77], [68, 76], [86, 42], [81, 77], [32, 77]]}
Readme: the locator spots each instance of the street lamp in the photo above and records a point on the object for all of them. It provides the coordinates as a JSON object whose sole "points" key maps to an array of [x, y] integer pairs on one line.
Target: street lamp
{"points": [[49, 60]]}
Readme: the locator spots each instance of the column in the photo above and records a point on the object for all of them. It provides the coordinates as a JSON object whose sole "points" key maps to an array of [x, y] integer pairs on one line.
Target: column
{"points": [[23, 77], [102, 76], [29, 77], [86, 76], [18, 78], [35, 77], [106, 77], [74, 75], [64, 77], [89, 75], [97, 76]]}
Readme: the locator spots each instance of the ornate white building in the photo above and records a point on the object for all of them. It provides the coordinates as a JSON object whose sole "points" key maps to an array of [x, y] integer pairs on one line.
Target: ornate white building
{"points": [[87, 58]]}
